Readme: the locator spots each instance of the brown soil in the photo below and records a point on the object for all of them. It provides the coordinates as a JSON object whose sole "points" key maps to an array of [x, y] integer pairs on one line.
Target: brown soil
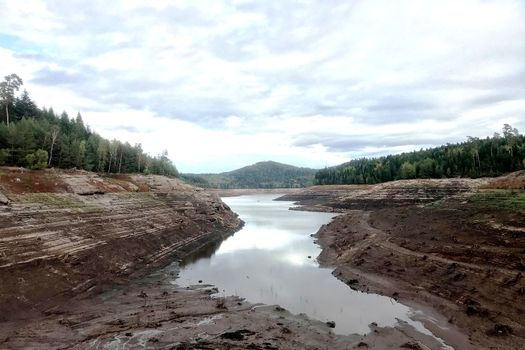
{"points": [[433, 244], [514, 180]]}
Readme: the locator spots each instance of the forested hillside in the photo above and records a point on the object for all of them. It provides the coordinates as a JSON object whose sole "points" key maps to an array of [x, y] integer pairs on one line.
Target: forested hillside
{"points": [[260, 175], [476, 157], [39, 138]]}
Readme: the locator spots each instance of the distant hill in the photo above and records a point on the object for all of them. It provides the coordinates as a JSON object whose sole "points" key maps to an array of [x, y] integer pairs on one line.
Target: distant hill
{"points": [[267, 174]]}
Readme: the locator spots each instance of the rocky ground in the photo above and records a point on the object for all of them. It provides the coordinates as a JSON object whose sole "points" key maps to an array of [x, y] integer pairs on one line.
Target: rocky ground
{"points": [[456, 247]]}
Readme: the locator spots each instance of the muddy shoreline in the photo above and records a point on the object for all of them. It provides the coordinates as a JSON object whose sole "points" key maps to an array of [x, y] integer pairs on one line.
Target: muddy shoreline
{"points": [[74, 250], [415, 242], [152, 312], [447, 250]]}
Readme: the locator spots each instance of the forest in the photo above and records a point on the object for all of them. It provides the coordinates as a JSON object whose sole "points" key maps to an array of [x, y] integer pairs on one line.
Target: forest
{"points": [[266, 174], [39, 138], [492, 156]]}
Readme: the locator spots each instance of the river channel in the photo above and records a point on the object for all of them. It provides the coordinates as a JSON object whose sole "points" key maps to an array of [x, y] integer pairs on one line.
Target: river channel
{"points": [[272, 260]]}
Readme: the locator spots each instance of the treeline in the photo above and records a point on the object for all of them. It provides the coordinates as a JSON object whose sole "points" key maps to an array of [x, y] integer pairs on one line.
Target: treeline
{"points": [[476, 157], [39, 138]]}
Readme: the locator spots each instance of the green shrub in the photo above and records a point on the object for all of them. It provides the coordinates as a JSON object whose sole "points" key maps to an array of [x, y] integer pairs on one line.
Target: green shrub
{"points": [[37, 160], [4, 154]]}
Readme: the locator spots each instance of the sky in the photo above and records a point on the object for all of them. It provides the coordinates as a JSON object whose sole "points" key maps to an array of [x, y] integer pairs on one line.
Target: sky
{"points": [[223, 84]]}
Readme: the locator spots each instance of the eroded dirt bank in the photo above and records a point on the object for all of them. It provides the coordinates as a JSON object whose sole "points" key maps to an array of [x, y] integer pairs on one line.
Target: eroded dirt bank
{"points": [[455, 247], [64, 233]]}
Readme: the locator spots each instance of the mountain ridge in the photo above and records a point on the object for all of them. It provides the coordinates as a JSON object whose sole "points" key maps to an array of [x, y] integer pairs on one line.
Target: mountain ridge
{"points": [[264, 174]]}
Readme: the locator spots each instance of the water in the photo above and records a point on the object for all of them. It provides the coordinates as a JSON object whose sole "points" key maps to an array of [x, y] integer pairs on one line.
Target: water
{"points": [[267, 262]]}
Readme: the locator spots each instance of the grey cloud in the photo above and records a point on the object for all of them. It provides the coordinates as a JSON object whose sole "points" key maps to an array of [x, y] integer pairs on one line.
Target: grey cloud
{"points": [[494, 97], [400, 103], [328, 33], [357, 144], [58, 77], [128, 128]]}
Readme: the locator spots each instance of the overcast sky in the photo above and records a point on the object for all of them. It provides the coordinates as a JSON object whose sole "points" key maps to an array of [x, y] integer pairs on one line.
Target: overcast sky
{"points": [[223, 84]]}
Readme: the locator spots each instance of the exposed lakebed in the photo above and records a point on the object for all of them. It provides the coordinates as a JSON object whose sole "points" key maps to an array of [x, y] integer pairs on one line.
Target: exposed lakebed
{"points": [[272, 261]]}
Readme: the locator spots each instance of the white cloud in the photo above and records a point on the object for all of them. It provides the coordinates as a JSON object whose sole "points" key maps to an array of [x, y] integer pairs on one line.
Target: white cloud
{"points": [[220, 84]]}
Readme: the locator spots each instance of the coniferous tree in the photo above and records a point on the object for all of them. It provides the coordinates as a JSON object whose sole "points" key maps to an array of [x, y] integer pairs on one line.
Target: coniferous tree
{"points": [[476, 157], [8, 87], [35, 134]]}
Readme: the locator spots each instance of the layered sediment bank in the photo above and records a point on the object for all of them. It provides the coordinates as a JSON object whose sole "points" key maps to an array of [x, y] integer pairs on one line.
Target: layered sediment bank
{"points": [[453, 246]]}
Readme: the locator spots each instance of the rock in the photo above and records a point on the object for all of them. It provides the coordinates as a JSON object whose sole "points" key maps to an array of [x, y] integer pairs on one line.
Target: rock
{"points": [[330, 324], [500, 330], [513, 280], [221, 304], [411, 345], [477, 310], [237, 335], [65, 322], [459, 277], [280, 309], [116, 322], [352, 281], [3, 199], [359, 262], [286, 330], [362, 344]]}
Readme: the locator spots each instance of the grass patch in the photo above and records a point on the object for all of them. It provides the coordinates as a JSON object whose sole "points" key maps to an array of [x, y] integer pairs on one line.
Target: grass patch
{"points": [[57, 201], [513, 200]]}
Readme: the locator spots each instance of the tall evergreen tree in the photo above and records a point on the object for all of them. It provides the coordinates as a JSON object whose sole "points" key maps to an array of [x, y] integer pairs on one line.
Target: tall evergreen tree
{"points": [[8, 87]]}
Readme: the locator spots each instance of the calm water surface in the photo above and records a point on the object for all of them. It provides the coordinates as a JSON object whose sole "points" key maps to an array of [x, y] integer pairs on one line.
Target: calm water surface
{"points": [[267, 262]]}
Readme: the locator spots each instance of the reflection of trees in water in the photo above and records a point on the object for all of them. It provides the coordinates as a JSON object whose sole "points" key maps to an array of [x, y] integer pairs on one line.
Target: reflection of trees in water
{"points": [[205, 251]]}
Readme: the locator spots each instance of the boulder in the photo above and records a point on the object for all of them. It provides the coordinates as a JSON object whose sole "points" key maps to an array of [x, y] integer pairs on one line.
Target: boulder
{"points": [[3, 199]]}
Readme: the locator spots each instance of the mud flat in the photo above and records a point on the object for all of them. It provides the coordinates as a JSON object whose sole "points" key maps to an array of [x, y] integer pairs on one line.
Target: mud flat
{"points": [[454, 248], [153, 314]]}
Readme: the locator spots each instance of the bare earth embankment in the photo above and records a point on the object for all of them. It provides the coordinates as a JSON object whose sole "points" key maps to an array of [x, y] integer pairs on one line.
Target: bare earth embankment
{"points": [[455, 248], [74, 250]]}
